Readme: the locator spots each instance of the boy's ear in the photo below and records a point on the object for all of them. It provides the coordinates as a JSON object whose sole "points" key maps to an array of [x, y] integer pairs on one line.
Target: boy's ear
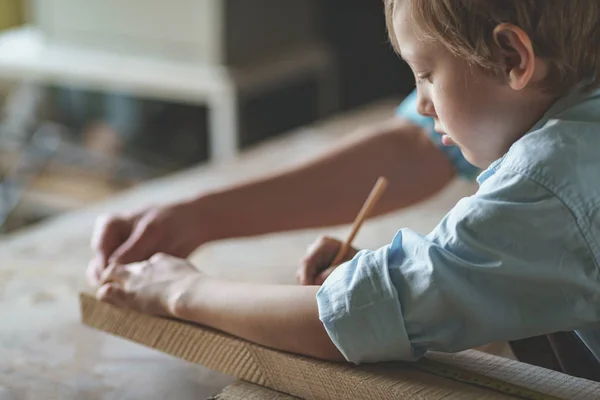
{"points": [[516, 55]]}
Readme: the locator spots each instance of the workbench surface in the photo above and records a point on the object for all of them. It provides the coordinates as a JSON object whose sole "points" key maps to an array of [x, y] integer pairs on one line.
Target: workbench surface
{"points": [[45, 352]]}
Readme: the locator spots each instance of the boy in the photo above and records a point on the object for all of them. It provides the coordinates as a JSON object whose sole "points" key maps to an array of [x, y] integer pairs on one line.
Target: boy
{"points": [[510, 86]]}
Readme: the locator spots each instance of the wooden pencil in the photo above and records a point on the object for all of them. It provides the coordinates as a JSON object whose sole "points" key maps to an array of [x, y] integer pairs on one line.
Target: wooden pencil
{"points": [[371, 201]]}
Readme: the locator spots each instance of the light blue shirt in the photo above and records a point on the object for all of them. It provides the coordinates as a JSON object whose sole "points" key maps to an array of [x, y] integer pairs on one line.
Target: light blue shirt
{"points": [[519, 258]]}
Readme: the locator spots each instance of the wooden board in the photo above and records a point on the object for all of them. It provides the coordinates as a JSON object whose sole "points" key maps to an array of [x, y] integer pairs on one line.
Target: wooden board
{"points": [[242, 390], [315, 379]]}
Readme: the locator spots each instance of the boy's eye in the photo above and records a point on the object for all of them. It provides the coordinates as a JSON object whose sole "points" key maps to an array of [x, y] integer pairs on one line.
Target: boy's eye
{"points": [[424, 77]]}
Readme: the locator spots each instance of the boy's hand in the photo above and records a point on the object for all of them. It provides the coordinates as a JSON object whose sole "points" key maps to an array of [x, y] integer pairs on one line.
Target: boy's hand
{"points": [[316, 266], [173, 229], [155, 287]]}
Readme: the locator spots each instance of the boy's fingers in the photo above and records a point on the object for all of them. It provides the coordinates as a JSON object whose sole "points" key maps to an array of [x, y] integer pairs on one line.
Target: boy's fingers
{"points": [[306, 274], [94, 270], [114, 273], [108, 234], [319, 256], [320, 278], [300, 277], [307, 267], [323, 275], [323, 251], [111, 293]]}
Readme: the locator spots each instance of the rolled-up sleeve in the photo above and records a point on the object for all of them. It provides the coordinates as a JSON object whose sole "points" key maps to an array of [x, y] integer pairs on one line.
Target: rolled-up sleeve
{"points": [[506, 263], [360, 310]]}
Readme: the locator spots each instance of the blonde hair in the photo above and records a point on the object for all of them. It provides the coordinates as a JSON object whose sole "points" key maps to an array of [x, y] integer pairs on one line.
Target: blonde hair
{"points": [[564, 33]]}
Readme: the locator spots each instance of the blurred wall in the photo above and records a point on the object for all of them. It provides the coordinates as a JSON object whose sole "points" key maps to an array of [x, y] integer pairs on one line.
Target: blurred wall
{"points": [[369, 68], [11, 13]]}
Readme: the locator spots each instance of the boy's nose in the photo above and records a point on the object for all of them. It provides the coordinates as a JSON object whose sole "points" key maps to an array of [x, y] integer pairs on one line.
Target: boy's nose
{"points": [[425, 106]]}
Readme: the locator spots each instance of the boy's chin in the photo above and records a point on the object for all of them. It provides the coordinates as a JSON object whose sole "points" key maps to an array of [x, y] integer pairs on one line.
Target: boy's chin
{"points": [[478, 163], [447, 140]]}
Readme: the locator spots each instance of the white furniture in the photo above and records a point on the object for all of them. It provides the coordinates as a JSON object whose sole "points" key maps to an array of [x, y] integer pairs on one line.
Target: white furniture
{"points": [[26, 54], [215, 32]]}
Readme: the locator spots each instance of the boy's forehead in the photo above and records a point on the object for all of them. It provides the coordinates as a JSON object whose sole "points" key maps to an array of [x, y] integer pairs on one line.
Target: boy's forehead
{"points": [[409, 45], [404, 24]]}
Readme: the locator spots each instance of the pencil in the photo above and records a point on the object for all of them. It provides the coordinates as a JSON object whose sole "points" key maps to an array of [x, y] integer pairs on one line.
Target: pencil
{"points": [[374, 196]]}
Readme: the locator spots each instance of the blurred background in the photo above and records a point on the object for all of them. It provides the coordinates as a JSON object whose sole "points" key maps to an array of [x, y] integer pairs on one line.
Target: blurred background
{"points": [[100, 96]]}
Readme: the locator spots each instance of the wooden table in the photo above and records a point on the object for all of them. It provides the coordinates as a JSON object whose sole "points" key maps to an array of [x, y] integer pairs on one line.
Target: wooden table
{"points": [[46, 353]]}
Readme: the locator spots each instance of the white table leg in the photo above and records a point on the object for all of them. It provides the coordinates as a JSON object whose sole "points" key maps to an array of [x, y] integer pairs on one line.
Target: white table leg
{"points": [[223, 123]]}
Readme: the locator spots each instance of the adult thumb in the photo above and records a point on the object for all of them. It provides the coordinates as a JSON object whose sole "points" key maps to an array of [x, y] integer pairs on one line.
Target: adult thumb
{"points": [[136, 248]]}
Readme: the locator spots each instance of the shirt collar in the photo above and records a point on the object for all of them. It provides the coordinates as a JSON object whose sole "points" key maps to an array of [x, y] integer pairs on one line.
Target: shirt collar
{"points": [[559, 106]]}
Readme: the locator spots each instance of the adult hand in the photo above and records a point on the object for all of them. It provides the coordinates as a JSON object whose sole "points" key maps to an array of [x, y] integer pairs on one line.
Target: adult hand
{"points": [[173, 229], [153, 287]]}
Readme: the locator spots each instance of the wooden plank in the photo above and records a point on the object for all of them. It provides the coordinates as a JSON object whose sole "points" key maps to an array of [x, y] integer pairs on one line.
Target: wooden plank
{"points": [[315, 379], [241, 390]]}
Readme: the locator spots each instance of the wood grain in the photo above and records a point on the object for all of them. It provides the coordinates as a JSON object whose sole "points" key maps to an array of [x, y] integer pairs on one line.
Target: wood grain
{"points": [[315, 379]]}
